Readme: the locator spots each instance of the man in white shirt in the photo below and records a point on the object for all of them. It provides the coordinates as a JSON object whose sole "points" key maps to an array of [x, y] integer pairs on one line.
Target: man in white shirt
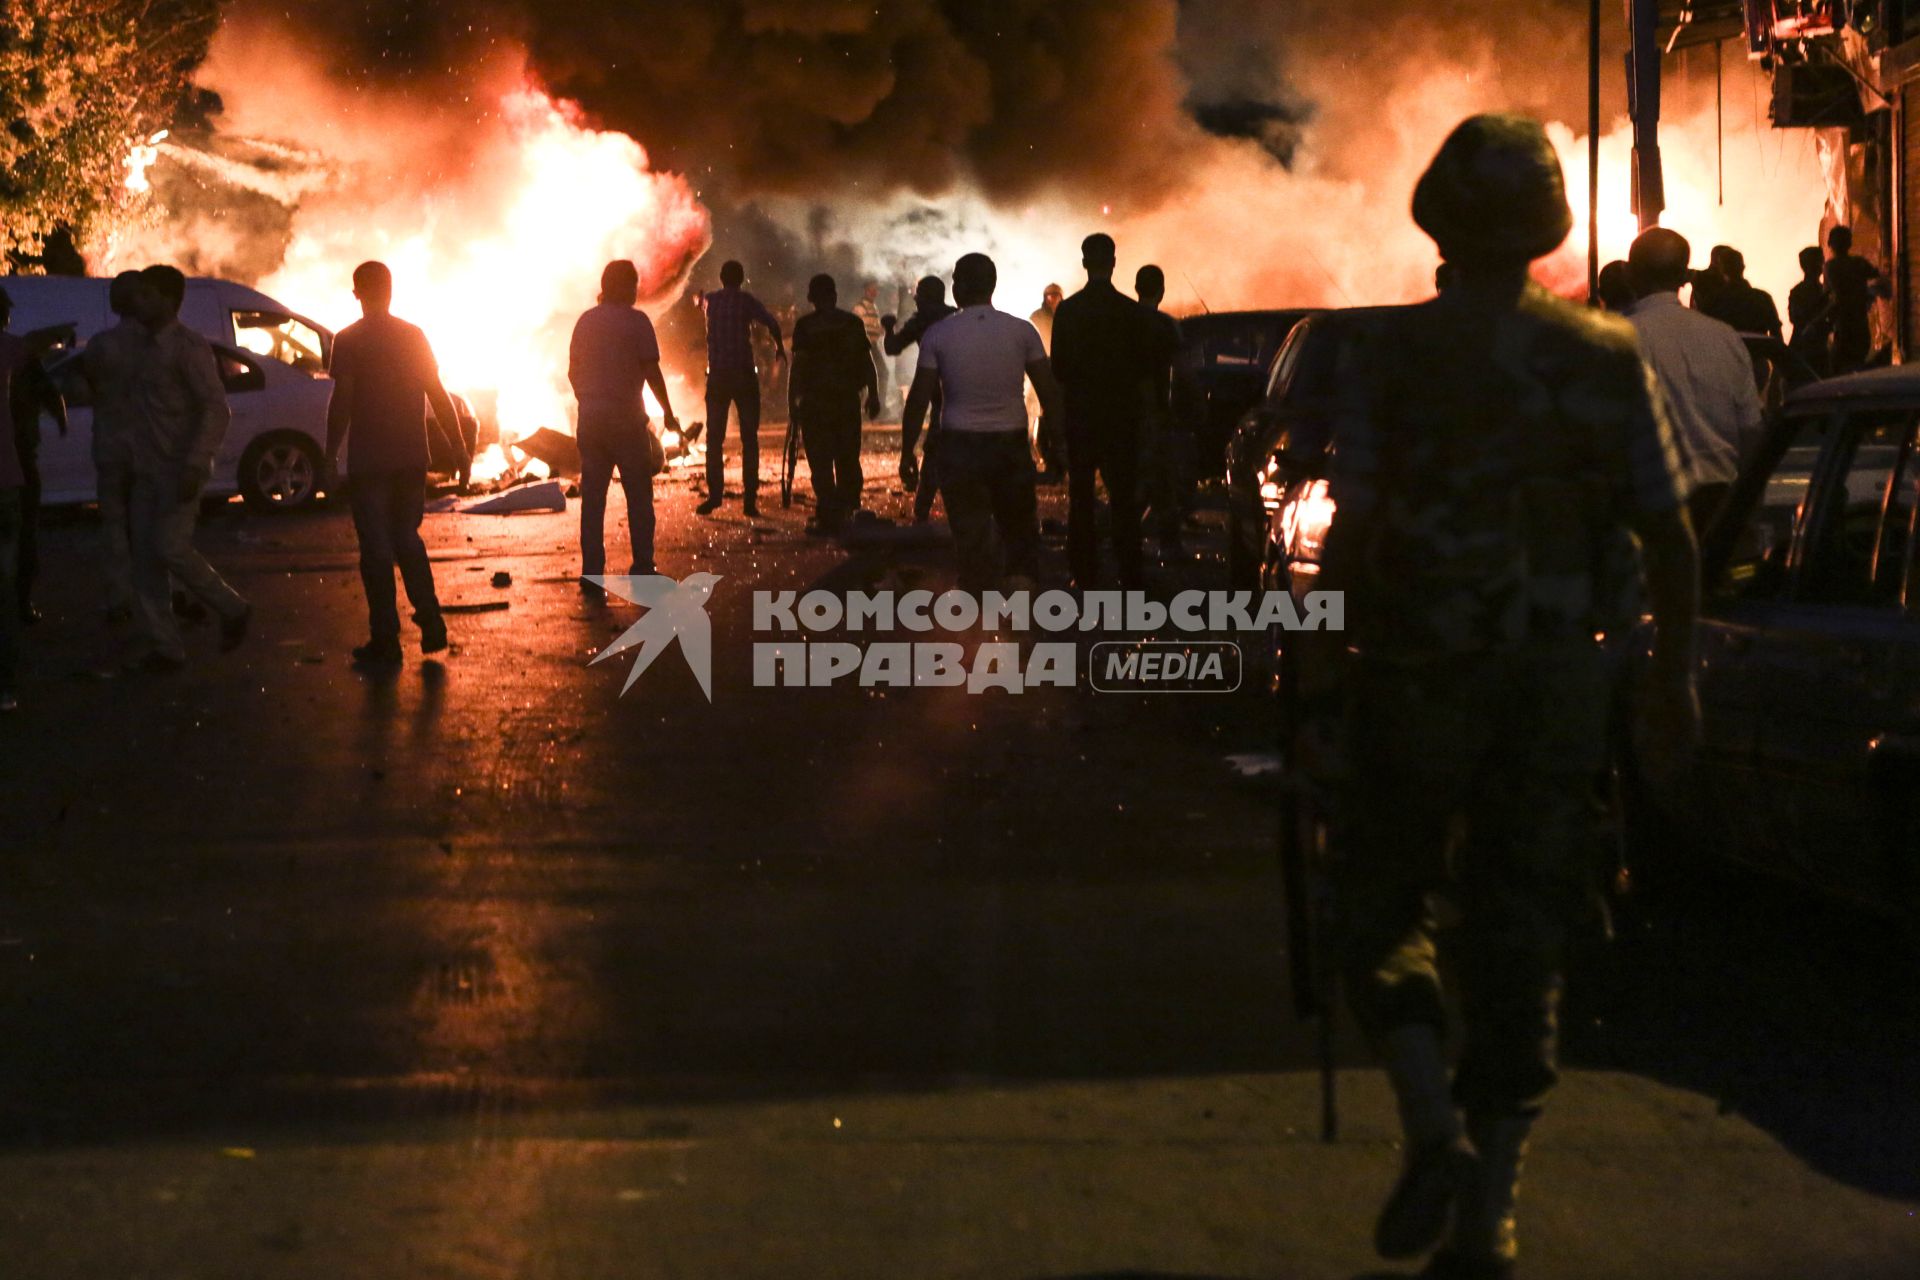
{"points": [[979, 361], [1702, 368]]}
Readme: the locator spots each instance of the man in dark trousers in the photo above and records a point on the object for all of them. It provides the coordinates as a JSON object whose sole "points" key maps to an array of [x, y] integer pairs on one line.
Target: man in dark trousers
{"points": [[980, 362], [733, 381], [1167, 448], [1103, 345], [31, 392], [929, 308], [384, 377], [1501, 450], [832, 363]]}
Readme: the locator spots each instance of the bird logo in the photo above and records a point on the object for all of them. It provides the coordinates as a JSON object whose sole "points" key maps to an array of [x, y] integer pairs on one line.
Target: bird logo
{"points": [[670, 610]]}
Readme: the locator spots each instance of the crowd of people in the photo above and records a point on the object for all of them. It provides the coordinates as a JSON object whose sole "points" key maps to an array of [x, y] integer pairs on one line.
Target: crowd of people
{"points": [[1713, 359], [1112, 421], [1512, 469]]}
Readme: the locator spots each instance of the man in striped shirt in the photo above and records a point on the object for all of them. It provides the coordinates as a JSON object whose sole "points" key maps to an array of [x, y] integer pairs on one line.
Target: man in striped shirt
{"points": [[734, 381]]}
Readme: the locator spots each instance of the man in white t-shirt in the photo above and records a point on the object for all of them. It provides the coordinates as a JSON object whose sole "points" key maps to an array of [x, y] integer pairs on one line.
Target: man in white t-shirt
{"points": [[979, 361]]}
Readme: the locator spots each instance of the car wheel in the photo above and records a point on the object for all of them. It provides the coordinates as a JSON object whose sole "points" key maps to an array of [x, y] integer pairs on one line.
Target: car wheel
{"points": [[280, 472]]}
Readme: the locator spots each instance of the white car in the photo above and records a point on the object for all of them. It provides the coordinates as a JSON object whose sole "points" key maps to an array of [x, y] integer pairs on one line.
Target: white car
{"points": [[272, 361]]}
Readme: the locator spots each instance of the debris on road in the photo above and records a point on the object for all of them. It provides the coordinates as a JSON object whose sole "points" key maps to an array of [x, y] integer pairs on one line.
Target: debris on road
{"points": [[479, 606], [503, 579], [540, 495]]}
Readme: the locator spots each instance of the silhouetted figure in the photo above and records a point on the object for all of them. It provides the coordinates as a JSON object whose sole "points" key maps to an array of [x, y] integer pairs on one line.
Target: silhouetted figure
{"points": [[384, 380], [1614, 288], [30, 393], [19, 375], [930, 308], [1499, 453], [1810, 311], [1852, 285], [868, 310], [1167, 448], [1703, 369], [1103, 353], [1734, 301], [184, 406], [832, 364], [734, 381], [979, 362], [614, 357], [111, 364], [1049, 434]]}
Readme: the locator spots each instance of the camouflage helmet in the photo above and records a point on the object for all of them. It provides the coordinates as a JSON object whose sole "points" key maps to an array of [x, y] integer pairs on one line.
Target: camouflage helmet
{"points": [[1494, 193]]}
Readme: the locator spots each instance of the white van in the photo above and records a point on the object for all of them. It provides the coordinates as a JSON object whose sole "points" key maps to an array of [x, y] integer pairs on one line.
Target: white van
{"points": [[272, 360]]}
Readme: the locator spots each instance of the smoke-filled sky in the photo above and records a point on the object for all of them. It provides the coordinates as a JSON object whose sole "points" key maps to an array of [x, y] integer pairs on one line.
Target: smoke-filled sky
{"points": [[1263, 150]]}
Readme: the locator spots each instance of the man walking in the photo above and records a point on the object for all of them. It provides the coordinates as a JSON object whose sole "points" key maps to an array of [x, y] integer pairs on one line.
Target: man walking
{"points": [[977, 362], [613, 359], [1496, 457], [111, 363], [733, 380], [182, 408], [31, 392], [1167, 448], [930, 308], [1048, 433], [832, 363], [1703, 369], [384, 377], [1103, 344]]}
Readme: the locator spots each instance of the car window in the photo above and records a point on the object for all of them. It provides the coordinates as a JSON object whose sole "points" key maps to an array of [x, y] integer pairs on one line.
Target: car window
{"points": [[238, 373], [281, 337], [1859, 554], [1757, 565], [1286, 361]]}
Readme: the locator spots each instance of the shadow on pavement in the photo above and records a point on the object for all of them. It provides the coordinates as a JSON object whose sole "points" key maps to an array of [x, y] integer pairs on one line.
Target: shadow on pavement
{"points": [[1798, 1016]]}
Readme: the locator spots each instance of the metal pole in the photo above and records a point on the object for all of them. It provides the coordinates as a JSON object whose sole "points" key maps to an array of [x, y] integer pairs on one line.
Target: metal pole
{"points": [[1593, 150]]}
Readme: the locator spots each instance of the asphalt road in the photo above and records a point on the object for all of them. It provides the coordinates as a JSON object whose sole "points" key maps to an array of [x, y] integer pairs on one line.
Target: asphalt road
{"points": [[486, 970]]}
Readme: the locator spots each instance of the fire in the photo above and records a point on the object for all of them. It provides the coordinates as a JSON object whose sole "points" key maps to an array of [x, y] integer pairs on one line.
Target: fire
{"points": [[497, 266], [140, 158]]}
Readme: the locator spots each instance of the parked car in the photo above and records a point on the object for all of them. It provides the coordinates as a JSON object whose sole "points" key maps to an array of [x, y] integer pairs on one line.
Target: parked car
{"points": [[1810, 652], [274, 365], [1298, 396], [1225, 358], [272, 360]]}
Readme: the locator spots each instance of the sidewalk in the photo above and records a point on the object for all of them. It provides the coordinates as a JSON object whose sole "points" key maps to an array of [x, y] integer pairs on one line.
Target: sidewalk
{"points": [[1188, 1178]]}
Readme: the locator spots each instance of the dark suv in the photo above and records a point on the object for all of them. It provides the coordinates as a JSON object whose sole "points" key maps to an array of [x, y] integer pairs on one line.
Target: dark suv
{"points": [[1224, 359]]}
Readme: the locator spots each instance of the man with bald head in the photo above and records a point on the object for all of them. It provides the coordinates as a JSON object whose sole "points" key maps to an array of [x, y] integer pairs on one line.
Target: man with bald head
{"points": [[1702, 367]]}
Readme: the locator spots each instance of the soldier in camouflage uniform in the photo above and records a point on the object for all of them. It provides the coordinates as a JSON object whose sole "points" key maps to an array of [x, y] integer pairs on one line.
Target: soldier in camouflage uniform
{"points": [[1499, 452]]}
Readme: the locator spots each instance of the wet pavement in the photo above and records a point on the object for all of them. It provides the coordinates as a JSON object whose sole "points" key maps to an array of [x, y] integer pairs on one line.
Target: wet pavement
{"points": [[483, 969]]}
